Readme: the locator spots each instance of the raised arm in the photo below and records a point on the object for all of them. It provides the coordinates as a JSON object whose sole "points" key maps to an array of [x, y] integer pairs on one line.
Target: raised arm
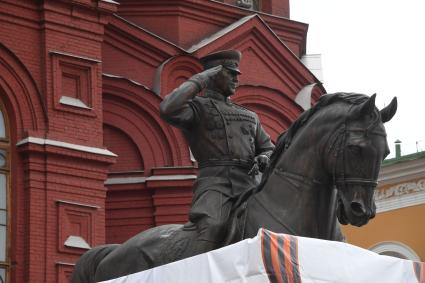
{"points": [[177, 108]]}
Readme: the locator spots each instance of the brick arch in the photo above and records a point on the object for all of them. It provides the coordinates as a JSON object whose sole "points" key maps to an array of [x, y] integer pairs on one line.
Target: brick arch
{"points": [[26, 115], [276, 110], [134, 122], [117, 141], [174, 72], [134, 109], [20, 95]]}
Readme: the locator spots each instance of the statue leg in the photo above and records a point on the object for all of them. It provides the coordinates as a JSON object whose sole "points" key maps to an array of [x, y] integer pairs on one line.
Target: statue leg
{"points": [[210, 212]]}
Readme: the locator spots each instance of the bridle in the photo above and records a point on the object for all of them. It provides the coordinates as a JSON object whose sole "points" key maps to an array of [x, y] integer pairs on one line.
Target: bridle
{"points": [[337, 150], [337, 147], [335, 153]]}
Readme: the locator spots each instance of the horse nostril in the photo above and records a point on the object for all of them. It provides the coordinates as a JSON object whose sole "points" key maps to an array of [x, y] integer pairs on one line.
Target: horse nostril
{"points": [[357, 209]]}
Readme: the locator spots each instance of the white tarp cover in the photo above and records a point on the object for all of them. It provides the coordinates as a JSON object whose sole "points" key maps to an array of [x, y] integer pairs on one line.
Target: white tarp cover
{"points": [[280, 258]]}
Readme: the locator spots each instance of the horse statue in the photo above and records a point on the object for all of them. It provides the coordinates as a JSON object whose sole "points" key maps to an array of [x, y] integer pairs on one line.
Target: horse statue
{"points": [[324, 167]]}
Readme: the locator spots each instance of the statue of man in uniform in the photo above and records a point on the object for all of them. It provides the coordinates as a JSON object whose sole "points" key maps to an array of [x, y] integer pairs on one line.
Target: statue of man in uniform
{"points": [[226, 139]]}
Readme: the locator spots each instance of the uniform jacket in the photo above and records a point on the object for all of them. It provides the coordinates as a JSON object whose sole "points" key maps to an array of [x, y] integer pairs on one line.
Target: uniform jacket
{"points": [[223, 137]]}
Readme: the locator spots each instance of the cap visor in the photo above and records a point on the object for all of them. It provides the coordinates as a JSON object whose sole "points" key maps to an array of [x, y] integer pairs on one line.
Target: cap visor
{"points": [[233, 69]]}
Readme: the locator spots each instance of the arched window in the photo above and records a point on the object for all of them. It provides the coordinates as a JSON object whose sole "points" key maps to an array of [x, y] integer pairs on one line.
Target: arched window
{"points": [[4, 195], [395, 249]]}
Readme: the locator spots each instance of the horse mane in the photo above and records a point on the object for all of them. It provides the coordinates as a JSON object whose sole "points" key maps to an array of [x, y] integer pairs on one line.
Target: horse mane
{"points": [[284, 140]]}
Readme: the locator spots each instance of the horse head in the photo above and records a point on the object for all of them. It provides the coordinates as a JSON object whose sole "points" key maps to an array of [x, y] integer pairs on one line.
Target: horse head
{"points": [[359, 148]]}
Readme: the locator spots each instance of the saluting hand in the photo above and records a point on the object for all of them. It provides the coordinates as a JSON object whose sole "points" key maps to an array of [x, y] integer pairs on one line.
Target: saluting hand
{"points": [[202, 78]]}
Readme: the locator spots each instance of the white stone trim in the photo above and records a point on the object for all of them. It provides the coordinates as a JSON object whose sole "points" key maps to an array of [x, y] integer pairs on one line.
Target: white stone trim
{"points": [[401, 195], [396, 247], [125, 180], [401, 202], [192, 158], [220, 33], [64, 263], [74, 56], [71, 101], [110, 1], [303, 97], [401, 189], [41, 141], [171, 177], [127, 79], [403, 171], [139, 180], [78, 204], [76, 242]]}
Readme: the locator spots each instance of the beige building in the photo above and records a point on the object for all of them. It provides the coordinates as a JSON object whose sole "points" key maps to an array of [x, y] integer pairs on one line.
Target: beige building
{"points": [[399, 226]]}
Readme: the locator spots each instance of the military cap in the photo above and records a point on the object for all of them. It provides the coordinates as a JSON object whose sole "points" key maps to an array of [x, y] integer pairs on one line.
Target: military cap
{"points": [[228, 58]]}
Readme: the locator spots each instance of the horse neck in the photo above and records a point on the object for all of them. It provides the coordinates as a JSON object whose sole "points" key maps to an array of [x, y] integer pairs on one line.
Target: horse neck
{"points": [[291, 204], [297, 192], [308, 153]]}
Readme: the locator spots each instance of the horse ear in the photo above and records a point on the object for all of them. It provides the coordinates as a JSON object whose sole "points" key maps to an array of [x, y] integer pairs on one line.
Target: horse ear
{"points": [[368, 106], [388, 112]]}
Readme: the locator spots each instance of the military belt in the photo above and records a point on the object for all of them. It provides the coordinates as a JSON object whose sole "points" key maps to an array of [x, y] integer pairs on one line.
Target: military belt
{"points": [[232, 162]]}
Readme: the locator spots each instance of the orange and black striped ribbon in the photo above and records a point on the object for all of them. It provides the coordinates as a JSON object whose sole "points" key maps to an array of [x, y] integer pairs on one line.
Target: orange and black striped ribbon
{"points": [[419, 268], [280, 257]]}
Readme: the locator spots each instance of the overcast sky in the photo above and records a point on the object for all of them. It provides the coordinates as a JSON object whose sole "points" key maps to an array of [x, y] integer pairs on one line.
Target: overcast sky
{"points": [[373, 46]]}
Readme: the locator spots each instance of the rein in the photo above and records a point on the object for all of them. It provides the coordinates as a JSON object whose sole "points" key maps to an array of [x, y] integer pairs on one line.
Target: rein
{"points": [[272, 215], [295, 180]]}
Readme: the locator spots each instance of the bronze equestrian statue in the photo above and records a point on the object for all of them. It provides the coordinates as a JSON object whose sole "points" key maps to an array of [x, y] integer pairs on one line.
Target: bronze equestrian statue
{"points": [[336, 146], [226, 139]]}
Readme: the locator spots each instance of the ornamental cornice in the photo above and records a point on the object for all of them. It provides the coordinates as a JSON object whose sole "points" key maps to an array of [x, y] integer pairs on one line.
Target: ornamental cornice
{"points": [[401, 195], [401, 172]]}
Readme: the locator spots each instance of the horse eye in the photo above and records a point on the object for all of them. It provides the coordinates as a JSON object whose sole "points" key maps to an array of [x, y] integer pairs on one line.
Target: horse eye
{"points": [[355, 149]]}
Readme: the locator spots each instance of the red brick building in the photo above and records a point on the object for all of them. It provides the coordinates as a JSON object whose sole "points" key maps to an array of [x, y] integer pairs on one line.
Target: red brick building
{"points": [[84, 157]]}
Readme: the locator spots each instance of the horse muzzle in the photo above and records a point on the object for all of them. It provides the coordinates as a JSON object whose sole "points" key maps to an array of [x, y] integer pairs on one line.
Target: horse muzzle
{"points": [[355, 205]]}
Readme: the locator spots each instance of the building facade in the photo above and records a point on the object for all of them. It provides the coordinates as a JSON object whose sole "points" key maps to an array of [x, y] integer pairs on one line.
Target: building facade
{"points": [[84, 157]]}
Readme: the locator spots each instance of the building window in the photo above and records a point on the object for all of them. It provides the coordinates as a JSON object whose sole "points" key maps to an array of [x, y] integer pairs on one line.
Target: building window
{"points": [[74, 83], [4, 195]]}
